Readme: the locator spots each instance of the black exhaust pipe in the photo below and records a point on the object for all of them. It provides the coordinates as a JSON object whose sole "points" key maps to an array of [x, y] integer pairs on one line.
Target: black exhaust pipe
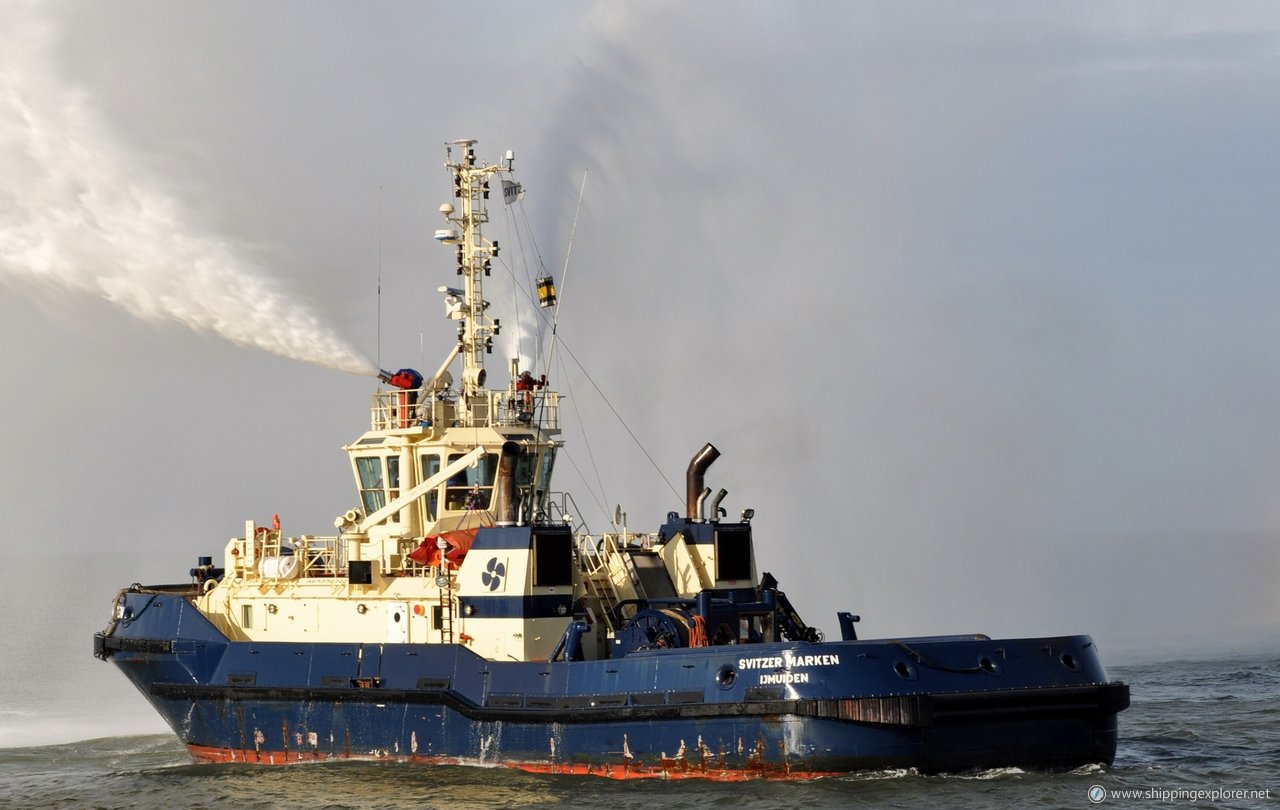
{"points": [[693, 480]]}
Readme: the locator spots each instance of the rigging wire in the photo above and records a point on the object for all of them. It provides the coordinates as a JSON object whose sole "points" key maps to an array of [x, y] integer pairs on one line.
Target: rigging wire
{"points": [[378, 352], [521, 234], [551, 352], [529, 279], [531, 273], [556, 339], [590, 453], [621, 421], [564, 274], [513, 227], [565, 453], [568, 350]]}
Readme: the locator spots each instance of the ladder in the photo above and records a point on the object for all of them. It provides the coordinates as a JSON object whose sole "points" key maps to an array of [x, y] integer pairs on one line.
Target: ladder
{"points": [[446, 611]]}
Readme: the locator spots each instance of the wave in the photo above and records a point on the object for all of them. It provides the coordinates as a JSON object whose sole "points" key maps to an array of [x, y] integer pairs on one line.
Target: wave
{"points": [[24, 728], [119, 744]]}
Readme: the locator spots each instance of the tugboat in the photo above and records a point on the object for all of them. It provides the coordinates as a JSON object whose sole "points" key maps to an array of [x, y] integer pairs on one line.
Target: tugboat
{"points": [[461, 615]]}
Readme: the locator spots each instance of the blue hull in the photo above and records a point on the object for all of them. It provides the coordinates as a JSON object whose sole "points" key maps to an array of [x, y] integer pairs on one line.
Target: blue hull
{"points": [[790, 709]]}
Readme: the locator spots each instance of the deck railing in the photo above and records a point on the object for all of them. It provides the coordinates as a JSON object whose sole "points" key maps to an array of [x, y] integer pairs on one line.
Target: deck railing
{"points": [[402, 410], [323, 557]]}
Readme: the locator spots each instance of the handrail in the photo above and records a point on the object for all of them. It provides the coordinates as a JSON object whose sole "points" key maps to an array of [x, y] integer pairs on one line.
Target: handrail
{"points": [[560, 511], [398, 410]]}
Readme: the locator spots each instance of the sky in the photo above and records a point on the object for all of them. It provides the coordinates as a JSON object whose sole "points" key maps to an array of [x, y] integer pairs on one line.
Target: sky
{"points": [[978, 301]]}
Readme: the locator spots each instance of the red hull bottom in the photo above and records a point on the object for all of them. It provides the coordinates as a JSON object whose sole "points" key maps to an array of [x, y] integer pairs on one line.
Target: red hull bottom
{"points": [[667, 769]]}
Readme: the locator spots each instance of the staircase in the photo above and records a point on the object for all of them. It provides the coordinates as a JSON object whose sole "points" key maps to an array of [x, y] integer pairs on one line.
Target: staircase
{"points": [[601, 575]]}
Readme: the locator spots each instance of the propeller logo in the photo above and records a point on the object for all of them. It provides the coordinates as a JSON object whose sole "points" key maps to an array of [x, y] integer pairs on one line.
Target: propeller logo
{"points": [[493, 574]]}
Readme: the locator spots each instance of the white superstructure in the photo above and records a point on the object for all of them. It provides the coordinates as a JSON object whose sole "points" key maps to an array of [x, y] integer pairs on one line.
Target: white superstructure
{"points": [[428, 476]]}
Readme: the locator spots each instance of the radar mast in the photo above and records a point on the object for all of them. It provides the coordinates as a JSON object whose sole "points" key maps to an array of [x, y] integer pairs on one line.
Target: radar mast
{"points": [[475, 254]]}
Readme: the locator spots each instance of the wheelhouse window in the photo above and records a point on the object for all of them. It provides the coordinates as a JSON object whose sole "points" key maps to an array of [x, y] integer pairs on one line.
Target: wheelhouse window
{"points": [[393, 482], [372, 490], [548, 461], [525, 466], [431, 466], [472, 487], [543, 481]]}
